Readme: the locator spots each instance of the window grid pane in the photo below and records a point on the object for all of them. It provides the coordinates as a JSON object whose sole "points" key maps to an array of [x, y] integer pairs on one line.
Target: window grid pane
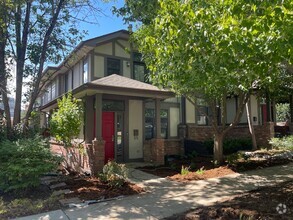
{"points": [[113, 66]]}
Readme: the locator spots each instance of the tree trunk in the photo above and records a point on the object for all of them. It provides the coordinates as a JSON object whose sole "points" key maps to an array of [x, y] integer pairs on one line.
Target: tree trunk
{"points": [[21, 47], [218, 148], [251, 128], [3, 74], [37, 83]]}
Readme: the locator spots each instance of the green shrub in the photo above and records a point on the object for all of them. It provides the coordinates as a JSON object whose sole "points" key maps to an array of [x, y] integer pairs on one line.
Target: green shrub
{"points": [[232, 159], [230, 146], [184, 170], [200, 171], [282, 112], [22, 163], [285, 143], [114, 174], [66, 121]]}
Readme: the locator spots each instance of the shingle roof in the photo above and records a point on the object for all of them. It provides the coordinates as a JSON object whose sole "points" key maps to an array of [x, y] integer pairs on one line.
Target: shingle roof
{"points": [[118, 81]]}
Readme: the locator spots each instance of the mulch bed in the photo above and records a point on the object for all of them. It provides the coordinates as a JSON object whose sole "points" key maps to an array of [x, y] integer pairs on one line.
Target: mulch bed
{"points": [[38, 200], [90, 188], [258, 204], [173, 171], [212, 173]]}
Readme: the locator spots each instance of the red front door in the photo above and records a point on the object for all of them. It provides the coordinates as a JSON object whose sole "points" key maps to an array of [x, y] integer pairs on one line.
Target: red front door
{"points": [[108, 131]]}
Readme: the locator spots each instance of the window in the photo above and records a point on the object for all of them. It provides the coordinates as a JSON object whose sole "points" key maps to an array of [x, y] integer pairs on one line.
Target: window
{"points": [[150, 123], [139, 72], [85, 71], [113, 105], [53, 88], [201, 112], [139, 69], [49, 91], [113, 66], [164, 123]]}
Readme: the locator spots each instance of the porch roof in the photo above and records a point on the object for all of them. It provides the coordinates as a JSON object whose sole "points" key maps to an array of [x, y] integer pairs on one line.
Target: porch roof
{"points": [[116, 85], [118, 81], [120, 85]]}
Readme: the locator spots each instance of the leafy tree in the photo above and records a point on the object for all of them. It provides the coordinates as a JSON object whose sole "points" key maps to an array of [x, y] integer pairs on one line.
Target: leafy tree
{"points": [[66, 121], [34, 33], [212, 49], [4, 21], [138, 10]]}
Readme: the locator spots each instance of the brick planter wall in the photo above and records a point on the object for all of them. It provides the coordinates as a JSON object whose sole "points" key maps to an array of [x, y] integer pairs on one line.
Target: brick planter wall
{"points": [[263, 133], [156, 149], [74, 158], [88, 159]]}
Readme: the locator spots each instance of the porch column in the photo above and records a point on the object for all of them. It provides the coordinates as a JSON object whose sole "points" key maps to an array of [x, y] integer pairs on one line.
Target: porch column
{"points": [[158, 118], [89, 119], [268, 106], [98, 112]]}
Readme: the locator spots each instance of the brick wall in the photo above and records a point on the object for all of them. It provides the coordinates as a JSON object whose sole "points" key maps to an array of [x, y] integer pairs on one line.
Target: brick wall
{"points": [[74, 158], [86, 158], [202, 133], [156, 149]]}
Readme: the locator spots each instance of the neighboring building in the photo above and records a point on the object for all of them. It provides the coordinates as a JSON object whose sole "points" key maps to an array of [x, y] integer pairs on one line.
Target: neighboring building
{"points": [[11, 102], [130, 119]]}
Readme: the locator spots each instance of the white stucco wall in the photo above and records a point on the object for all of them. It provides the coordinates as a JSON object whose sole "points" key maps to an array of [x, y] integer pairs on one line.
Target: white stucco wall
{"points": [[135, 123], [99, 66], [231, 109], [126, 69], [76, 76], [254, 109], [190, 112], [174, 121], [104, 49], [121, 50]]}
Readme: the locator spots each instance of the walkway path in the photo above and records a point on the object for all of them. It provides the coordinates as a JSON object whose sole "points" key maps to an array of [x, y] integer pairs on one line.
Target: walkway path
{"points": [[165, 198]]}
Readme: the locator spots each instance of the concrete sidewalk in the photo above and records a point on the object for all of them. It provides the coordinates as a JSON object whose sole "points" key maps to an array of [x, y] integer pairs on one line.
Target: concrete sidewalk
{"points": [[165, 198]]}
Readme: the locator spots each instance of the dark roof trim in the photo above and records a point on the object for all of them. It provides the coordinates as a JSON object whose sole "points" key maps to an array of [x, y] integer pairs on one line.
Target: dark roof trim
{"points": [[81, 44]]}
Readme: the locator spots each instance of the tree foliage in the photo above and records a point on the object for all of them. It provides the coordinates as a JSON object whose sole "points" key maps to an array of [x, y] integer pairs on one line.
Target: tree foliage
{"points": [[35, 33], [212, 49], [66, 121], [282, 112]]}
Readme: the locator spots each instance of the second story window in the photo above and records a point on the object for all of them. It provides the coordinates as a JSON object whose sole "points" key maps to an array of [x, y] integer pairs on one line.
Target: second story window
{"points": [[113, 66], [139, 72], [53, 88], [85, 71], [139, 69]]}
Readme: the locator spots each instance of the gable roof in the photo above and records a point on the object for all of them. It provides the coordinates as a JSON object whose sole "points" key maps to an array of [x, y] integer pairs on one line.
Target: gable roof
{"points": [[118, 81], [86, 46]]}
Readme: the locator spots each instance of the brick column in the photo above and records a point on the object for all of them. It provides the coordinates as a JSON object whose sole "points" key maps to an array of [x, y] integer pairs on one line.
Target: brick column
{"points": [[158, 146], [96, 153]]}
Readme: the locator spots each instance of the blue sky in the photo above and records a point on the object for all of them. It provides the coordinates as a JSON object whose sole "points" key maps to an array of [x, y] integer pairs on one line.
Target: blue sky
{"points": [[106, 23]]}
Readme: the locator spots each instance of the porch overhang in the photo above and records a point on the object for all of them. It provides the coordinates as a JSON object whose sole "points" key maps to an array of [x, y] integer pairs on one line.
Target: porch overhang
{"points": [[115, 85], [120, 85]]}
